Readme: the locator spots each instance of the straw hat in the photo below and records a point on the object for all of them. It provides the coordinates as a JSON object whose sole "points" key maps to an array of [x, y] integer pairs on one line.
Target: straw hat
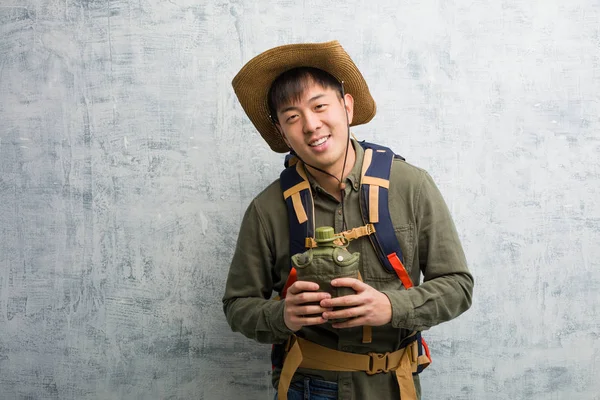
{"points": [[252, 83]]}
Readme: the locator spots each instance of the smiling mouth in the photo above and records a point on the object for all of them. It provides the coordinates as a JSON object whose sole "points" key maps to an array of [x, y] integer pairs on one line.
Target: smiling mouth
{"points": [[319, 142]]}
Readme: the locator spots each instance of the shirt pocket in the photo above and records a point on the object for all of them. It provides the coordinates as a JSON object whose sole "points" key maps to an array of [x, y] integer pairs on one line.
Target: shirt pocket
{"points": [[406, 237], [374, 273]]}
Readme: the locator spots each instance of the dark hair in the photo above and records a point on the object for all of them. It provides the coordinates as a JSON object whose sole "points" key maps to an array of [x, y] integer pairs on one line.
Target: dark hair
{"points": [[290, 86]]}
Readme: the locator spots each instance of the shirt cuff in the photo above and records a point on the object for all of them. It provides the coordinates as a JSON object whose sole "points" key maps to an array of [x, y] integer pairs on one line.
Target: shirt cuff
{"points": [[403, 310], [280, 329]]}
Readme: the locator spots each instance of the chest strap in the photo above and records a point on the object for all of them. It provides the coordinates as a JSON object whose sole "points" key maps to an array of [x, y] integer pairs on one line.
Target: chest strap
{"points": [[305, 354], [349, 235]]}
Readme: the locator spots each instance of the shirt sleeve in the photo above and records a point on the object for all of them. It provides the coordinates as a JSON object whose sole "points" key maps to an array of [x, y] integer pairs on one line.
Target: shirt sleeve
{"points": [[246, 302], [447, 288]]}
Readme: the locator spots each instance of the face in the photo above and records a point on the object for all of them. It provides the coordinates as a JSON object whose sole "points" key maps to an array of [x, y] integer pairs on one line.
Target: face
{"points": [[315, 127]]}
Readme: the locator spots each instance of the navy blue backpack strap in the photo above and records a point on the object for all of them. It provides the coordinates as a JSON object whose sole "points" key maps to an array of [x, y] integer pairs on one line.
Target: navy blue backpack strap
{"points": [[375, 183], [298, 197]]}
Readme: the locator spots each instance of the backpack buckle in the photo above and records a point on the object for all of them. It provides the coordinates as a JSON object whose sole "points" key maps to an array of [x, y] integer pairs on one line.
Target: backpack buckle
{"points": [[370, 229], [378, 363]]}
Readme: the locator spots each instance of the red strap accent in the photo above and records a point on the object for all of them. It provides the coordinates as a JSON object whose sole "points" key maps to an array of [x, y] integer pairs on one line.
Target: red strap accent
{"points": [[424, 343], [290, 281], [400, 270]]}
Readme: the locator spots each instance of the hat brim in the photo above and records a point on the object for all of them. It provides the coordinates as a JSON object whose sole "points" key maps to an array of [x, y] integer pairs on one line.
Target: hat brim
{"points": [[252, 83]]}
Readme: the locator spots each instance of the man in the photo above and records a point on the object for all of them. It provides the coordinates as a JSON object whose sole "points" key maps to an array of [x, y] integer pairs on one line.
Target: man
{"points": [[303, 98]]}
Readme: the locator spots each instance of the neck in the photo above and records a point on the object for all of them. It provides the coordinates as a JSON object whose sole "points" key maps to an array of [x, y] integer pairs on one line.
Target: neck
{"points": [[329, 183]]}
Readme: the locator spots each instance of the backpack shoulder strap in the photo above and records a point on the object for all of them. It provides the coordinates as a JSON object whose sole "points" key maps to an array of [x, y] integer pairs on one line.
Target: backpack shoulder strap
{"points": [[298, 197], [375, 183], [299, 201]]}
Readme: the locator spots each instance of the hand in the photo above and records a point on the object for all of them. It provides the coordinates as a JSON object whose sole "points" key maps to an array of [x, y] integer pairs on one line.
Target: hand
{"points": [[367, 307], [302, 305]]}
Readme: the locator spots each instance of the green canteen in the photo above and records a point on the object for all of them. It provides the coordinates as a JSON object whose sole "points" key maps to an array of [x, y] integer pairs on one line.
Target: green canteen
{"points": [[326, 262]]}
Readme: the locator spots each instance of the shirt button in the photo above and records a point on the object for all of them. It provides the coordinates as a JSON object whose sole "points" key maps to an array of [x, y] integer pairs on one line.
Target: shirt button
{"points": [[356, 185], [340, 211]]}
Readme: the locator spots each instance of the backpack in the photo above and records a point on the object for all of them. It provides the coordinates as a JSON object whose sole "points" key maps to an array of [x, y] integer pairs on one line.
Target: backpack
{"points": [[378, 226]]}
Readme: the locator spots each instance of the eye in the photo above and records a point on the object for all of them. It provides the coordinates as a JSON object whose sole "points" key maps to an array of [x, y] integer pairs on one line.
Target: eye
{"points": [[291, 118], [321, 107]]}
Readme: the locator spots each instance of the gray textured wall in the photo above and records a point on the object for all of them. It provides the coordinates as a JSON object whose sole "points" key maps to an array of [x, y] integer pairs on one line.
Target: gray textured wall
{"points": [[126, 164]]}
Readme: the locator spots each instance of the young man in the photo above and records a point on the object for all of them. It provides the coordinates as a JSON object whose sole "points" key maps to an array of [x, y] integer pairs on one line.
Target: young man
{"points": [[303, 98]]}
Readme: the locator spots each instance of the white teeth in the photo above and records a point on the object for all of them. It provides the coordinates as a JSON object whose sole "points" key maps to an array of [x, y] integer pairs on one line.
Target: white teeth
{"points": [[319, 142]]}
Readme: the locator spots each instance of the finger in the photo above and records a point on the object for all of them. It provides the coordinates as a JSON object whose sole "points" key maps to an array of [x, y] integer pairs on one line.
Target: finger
{"points": [[302, 286], [307, 297], [350, 282], [350, 300], [316, 320], [352, 312], [310, 310]]}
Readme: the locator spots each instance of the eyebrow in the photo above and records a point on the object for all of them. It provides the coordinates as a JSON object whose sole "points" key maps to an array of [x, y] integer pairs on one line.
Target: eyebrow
{"points": [[291, 108]]}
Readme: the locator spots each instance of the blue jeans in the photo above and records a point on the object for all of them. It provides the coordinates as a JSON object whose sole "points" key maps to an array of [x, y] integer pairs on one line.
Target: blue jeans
{"points": [[312, 389]]}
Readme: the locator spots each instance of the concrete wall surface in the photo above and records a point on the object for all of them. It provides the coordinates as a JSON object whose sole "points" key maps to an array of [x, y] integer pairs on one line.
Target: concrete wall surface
{"points": [[126, 164]]}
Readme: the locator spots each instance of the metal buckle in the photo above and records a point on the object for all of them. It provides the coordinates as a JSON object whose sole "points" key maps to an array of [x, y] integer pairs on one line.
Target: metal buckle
{"points": [[378, 363]]}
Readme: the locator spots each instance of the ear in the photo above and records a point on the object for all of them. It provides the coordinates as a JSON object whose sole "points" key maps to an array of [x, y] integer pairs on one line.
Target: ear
{"points": [[280, 130], [349, 106]]}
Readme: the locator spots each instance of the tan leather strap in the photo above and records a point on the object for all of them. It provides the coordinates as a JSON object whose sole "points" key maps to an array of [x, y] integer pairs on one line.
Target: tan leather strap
{"points": [[374, 185], [310, 243], [371, 180], [358, 232], [367, 159], [296, 189], [418, 360], [373, 204], [292, 361], [310, 355], [294, 193], [406, 384], [299, 208], [367, 336]]}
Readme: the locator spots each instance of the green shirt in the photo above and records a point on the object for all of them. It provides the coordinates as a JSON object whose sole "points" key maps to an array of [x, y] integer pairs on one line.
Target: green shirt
{"points": [[430, 245]]}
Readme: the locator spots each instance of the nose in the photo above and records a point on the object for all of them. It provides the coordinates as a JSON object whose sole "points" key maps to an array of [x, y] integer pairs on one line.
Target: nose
{"points": [[312, 122]]}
